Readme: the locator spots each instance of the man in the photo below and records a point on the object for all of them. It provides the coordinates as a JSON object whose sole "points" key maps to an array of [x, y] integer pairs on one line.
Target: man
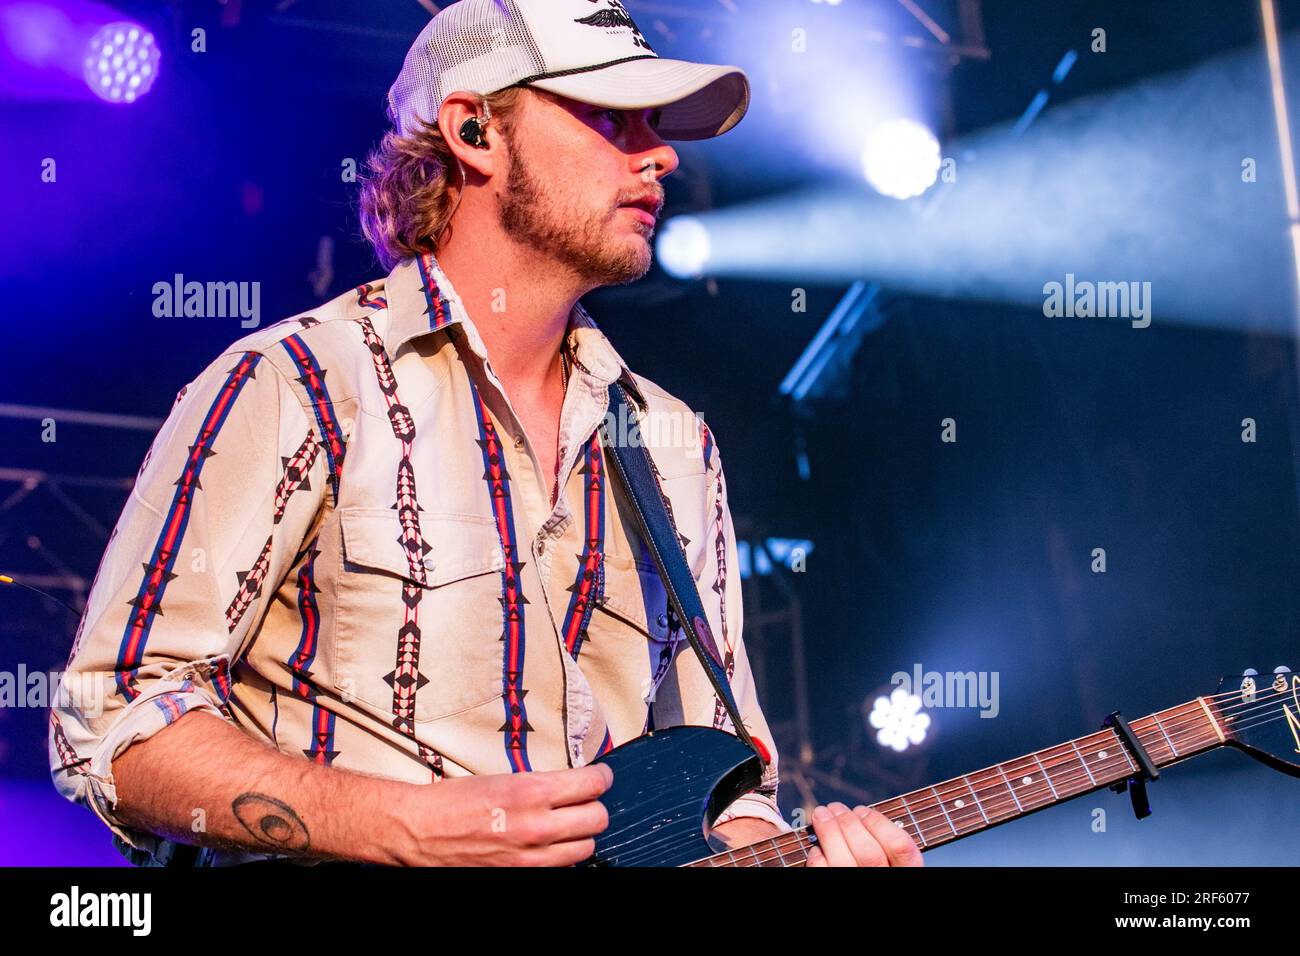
{"points": [[374, 547]]}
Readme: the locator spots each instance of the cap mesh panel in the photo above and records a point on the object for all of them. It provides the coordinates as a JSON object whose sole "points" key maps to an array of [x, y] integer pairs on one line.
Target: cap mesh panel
{"points": [[480, 46]]}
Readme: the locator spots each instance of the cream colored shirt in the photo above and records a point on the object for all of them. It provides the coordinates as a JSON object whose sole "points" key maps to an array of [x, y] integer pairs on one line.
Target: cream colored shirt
{"points": [[342, 542]]}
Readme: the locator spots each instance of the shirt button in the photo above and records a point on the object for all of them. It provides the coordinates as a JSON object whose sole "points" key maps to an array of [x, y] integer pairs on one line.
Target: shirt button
{"points": [[519, 441], [663, 620]]}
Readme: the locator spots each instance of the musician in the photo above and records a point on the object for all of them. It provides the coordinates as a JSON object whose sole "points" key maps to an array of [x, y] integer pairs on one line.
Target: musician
{"points": [[375, 596]]}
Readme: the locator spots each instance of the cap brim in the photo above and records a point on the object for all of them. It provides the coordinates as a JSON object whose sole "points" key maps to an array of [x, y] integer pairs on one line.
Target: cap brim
{"points": [[699, 100]]}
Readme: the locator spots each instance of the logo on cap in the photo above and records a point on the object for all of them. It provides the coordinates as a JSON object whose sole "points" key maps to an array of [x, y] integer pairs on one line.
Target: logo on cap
{"points": [[616, 16]]}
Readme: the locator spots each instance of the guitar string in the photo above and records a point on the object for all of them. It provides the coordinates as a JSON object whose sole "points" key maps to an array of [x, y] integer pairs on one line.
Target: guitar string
{"points": [[777, 848], [1173, 728], [923, 803], [779, 845]]}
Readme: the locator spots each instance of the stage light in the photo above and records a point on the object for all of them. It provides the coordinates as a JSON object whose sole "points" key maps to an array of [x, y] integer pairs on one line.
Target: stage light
{"points": [[684, 247], [898, 721], [121, 62], [901, 158]]}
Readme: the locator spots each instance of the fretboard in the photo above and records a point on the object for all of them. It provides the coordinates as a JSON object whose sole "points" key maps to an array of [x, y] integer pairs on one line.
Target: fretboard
{"points": [[976, 801]]}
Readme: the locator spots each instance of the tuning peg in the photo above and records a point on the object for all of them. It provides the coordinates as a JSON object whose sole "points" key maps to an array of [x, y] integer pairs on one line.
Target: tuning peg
{"points": [[1281, 669], [1250, 672]]}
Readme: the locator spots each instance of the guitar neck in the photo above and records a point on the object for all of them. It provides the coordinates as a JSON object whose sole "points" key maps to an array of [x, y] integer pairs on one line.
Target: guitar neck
{"points": [[973, 802]]}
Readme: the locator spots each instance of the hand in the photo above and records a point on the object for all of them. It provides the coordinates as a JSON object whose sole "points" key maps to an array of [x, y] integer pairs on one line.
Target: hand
{"points": [[860, 837], [524, 819]]}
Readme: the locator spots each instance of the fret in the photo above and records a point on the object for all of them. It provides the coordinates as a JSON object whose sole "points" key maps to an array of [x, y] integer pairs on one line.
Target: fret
{"points": [[926, 817], [1172, 749], [1146, 727], [778, 860], [798, 852], [1083, 761], [1011, 789], [1036, 787], [945, 811], [1214, 724], [1113, 758], [1066, 760], [996, 807], [977, 800], [963, 815], [908, 810], [918, 820], [1119, 745], [1047, 776]]}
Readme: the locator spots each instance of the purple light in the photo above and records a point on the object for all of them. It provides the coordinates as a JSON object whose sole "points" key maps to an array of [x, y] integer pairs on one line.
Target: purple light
{"points": [[121, 62]]}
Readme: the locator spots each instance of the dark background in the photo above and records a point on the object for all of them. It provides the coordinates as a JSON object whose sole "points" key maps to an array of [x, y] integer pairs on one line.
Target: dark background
{"points": [[1072, 434]]}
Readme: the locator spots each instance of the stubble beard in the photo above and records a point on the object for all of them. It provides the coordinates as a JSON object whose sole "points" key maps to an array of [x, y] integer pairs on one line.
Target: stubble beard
{"points": [[574, 238]]}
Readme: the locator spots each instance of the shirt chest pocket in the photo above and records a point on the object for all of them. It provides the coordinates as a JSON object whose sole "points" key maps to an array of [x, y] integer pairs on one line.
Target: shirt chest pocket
{"points": [[418, 632], [634, 594], [629, 651]]}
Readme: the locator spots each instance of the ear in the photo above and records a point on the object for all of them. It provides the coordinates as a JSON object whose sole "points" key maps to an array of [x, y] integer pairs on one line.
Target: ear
{"points": [[455, 110]]}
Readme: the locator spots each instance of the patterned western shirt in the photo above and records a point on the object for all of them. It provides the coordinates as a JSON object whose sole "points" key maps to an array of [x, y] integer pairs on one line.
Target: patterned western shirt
{"points": [[341, 541]]}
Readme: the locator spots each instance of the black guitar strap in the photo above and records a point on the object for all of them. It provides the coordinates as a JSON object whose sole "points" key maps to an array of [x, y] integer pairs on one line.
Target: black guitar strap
{"points": [[632, 464]]}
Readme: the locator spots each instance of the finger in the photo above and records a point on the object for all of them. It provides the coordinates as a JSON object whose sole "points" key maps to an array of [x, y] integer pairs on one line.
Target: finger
{"points": [[831, 839], [575, 822], [866, 850], [899, 845], [570, 853], [816, 857], [579, 785]]}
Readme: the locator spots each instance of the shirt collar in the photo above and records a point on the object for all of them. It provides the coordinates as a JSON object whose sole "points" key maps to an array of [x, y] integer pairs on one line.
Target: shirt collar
{"points": [[421, 300]]}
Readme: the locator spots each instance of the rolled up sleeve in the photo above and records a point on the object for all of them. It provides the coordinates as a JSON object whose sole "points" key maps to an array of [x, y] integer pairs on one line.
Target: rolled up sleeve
{"points": [[228, 489]]}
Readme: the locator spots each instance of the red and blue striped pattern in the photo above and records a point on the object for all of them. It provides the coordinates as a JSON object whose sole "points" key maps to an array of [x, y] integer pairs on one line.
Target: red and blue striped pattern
{"points": [[308, 640], [516, 725], [158, 570], [312, 377], [439, 309], [364, 299], [586, 588]]}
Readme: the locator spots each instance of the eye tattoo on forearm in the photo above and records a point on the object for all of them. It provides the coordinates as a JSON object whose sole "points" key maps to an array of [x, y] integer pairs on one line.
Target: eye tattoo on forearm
{"points": [[271, 822]]}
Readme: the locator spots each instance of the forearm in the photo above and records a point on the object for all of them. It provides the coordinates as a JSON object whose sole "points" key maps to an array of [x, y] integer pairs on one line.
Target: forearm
{"points": [[742, 831], [203, 781]]}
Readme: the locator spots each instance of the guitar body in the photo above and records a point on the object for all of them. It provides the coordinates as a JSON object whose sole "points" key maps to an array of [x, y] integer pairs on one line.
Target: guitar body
{"points": [[667, 786]]}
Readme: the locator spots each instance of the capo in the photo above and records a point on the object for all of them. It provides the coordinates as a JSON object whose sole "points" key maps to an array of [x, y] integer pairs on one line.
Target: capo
{"points": [[1136, 784]]}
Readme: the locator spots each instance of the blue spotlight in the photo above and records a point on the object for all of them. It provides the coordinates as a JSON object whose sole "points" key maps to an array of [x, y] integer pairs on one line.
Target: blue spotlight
{"points": [[684, 247], [121, 62], [901, 158]]}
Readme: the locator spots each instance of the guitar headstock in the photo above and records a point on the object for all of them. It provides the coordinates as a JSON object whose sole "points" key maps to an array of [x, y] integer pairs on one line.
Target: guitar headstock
{"points": [[1260, 714]]}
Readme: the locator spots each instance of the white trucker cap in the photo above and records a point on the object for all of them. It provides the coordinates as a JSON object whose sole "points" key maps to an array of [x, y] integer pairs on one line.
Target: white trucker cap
{"points": [[587, 50]]}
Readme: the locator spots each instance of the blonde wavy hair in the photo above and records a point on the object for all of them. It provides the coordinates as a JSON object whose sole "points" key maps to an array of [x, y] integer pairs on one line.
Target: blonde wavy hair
{"points": [[405, 202]]}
